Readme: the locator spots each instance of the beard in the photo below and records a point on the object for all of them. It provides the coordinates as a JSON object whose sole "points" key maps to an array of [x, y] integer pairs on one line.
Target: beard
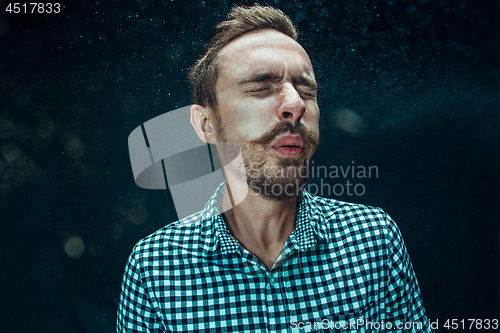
{"points": [[273, 177]]}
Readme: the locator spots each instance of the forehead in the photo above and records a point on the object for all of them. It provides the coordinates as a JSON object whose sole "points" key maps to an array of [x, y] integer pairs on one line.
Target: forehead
{"points": [[264, 50]]}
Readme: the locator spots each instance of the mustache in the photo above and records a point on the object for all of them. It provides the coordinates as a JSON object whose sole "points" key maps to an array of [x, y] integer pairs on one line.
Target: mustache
{"points": [[283, 127]]}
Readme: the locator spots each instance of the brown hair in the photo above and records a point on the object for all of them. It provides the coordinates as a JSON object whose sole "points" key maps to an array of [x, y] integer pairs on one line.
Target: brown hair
{"points": [[241, 19]]}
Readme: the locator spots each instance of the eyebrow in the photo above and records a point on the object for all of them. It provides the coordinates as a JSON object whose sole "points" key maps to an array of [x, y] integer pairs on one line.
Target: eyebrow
{"points": [[260, 77], [266, 76]]}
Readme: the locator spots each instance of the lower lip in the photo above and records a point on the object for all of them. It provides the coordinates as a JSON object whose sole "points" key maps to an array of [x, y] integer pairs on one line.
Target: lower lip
{"points": [[289, 151]]}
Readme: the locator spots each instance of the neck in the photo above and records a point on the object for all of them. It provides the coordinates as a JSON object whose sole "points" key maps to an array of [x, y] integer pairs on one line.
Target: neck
{"points": [[261, 225]]}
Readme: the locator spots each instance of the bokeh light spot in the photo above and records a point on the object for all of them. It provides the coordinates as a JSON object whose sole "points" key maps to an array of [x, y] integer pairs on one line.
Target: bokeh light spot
{"points": [[349, 121], [137, 215], [74, 247], [74, 148], [11, 152]]}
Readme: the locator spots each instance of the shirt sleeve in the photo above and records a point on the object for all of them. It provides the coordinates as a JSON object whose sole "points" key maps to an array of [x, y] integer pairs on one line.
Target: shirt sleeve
{"points": [[404, 306], [136, 312]]}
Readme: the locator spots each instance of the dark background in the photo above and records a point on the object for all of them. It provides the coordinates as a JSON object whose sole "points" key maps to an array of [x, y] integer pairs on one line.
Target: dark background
{"points": [[408, 86]]}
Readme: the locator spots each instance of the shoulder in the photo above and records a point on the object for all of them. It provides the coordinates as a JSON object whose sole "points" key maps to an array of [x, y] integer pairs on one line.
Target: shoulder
{"points": [[180, 236], [352, 218]]}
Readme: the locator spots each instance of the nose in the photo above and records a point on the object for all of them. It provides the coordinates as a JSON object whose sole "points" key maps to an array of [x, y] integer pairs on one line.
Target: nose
{"points": [[292, 106]]}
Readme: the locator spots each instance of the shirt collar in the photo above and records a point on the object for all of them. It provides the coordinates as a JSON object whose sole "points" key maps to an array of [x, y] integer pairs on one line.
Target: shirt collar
{"points": [[309, 226]]}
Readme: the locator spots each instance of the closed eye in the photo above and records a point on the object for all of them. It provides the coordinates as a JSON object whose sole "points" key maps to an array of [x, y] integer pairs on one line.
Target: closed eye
{"points": [[261, 92], [311, 94]]}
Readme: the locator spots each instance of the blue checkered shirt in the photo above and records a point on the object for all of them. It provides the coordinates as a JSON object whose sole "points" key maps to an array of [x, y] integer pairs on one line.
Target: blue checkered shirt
{"points": [[344, 268]]}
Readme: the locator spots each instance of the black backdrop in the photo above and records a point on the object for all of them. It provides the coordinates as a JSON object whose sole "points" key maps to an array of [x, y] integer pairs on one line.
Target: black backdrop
{"points": [[410, 87]]}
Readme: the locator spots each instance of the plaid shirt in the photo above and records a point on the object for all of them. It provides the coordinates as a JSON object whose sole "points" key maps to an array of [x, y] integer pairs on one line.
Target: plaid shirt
{"points": [[344, 268]]}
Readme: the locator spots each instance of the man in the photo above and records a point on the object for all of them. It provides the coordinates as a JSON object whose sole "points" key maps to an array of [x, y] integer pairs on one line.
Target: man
{"points": [[277, 259]]}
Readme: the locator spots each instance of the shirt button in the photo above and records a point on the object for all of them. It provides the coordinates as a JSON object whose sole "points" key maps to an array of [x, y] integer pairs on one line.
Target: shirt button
{"points": [[272, 280]]}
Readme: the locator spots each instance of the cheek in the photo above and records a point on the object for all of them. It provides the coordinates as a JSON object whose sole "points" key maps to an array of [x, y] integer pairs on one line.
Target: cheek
{"points": [[249, 130], [254, 121], [311, 119]]}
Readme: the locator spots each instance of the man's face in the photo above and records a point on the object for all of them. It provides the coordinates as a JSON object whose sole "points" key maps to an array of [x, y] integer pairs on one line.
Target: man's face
{"points": [[266, 94]]}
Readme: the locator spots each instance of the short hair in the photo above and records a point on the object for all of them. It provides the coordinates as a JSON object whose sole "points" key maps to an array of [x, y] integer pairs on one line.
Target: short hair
{"points": [[240, 20]]}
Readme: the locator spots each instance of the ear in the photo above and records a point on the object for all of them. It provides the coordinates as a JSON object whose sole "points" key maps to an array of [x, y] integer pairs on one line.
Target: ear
{"points": [[202, 119]]}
